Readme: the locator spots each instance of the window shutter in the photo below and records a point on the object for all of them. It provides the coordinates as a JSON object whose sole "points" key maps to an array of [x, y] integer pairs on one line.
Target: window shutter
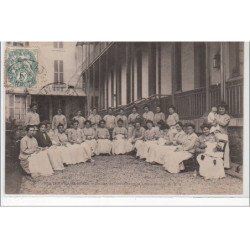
{"points": [[11, 106], [60, 45]]}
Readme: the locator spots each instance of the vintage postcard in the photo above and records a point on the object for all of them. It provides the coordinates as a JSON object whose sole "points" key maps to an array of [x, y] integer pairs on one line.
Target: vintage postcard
{"points": [[123, 120]]}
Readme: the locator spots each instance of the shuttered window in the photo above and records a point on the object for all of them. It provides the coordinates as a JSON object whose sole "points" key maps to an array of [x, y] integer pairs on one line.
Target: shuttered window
{"points": [[58, 45], [58, 71]]}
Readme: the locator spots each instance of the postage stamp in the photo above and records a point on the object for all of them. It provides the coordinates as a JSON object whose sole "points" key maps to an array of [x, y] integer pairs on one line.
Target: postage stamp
{"points": [[22, 67]]}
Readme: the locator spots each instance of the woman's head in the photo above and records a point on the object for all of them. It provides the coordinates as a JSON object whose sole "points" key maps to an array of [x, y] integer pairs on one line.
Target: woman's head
{"points": [[222, 108], [137, 124], [190, 128], [33, 107], [48, 126], [121, 111], [87, 123], [59, 111], [149, 124], [158, 109], [79, 113], [120, 122], [30, 130], [146, 108], [110, 111], [171, 109], [205, 127], [60, 128], [75, 124], [179, 126], [134, 110], [102, 123], [42, 127], [94, 111]]}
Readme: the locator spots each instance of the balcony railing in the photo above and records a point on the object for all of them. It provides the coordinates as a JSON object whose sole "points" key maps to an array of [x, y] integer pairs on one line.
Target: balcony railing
{"points": [[192, 104]]}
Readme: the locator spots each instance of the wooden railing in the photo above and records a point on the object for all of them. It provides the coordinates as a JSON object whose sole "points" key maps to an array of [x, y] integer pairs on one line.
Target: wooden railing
{"points": [[234, 95], [192, 104]]}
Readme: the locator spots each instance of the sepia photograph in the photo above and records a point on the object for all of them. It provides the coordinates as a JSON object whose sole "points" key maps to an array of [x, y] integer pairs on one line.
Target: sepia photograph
{"points": [[123, 118]]}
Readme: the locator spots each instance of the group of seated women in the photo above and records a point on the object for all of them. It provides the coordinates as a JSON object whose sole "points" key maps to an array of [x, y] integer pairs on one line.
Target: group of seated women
{"points": [[44, 151]]}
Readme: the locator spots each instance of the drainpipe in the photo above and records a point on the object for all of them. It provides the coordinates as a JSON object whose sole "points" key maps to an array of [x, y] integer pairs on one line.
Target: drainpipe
{"points": [[222, 71]]}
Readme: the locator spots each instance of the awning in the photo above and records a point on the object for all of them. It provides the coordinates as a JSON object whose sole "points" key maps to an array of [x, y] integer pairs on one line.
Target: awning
{"points": [[57, 89]]}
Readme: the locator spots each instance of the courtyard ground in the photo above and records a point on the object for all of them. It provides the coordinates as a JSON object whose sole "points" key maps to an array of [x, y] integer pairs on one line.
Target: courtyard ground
{"points": [[124, 175]]}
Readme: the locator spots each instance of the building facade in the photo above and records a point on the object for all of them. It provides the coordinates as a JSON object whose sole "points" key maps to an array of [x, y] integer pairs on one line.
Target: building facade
{"points": [[193, 75], [56, 82]]}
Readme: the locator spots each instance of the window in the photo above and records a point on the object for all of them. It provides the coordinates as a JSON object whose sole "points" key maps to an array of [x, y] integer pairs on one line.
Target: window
{"points": [[58, 45], [177, 67], [58, 71], [19, 107]]}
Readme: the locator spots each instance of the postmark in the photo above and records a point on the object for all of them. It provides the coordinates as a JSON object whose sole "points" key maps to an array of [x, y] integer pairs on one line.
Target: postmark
{"points": [[22, 68]]}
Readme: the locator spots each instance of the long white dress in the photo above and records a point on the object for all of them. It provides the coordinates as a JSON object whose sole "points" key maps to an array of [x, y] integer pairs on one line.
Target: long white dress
{"points": [[211, 163], [173, 161], [90, 139], [119, 143], [104, 145], [34, 163]]}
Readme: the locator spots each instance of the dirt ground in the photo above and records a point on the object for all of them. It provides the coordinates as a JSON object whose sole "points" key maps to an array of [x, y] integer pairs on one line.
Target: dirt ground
{"points": [[126, 175]]}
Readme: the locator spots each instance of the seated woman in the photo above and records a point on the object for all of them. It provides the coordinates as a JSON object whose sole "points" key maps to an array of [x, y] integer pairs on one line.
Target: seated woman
{"points": [[50, 132], [77, 138], [45, 142], [210, 158], [104, 145], [119, 143], [66, 150], [150, 137], [156, 152], [90, 134], [33, 160], [173, 160], [137, 136]]}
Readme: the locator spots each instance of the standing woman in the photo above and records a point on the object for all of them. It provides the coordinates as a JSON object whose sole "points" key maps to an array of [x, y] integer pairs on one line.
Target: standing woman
{"points": [[32, 118], [172, 119], [90, 134], [59, 118], [120, 134], [173, 161], [104, 145], [223, 120], [80, 119], [159, 116], [95, 118], [110, 121], [147, 115], [123, 117], [131, 121]]}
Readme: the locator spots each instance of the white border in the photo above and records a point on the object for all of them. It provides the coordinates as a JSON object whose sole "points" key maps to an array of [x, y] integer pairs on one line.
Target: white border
{"points": [[109, 200]]}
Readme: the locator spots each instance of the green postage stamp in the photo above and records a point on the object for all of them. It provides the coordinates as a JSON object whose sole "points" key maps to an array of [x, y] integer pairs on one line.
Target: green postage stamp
{"points": [[22, 67]]}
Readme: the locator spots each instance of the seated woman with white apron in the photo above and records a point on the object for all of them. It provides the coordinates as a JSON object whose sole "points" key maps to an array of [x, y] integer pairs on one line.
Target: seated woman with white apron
{"points": [[173, 161], [119, 143], [151, 136], [77, 138], [33, 159], [210, 156], [104, 145], [90, 134]]}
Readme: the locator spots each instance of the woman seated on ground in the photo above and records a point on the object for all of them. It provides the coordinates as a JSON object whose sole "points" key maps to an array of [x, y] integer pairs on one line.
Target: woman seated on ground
{"points": [[173, 160], [120, 135], [90, 134], [51, 133], [33, 159], [77, 138], [210, 156], [67, 152], [156, 152], [104, 145], [151, 136], [45, 142], [138, 135]]}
